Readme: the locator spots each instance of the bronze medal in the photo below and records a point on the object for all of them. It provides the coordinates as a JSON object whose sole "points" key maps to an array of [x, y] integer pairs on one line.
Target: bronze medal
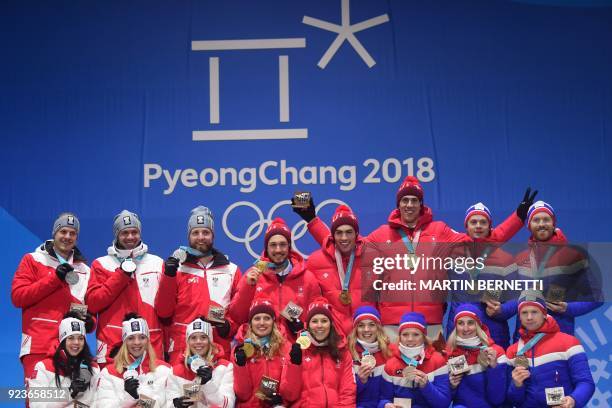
{"points": [[368, 360], [521, 361], [483, 358], [345, 298], [408, 372]]}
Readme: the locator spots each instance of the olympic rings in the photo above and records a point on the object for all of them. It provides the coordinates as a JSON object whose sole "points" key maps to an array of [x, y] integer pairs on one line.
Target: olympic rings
{"points": [[258, 227]]}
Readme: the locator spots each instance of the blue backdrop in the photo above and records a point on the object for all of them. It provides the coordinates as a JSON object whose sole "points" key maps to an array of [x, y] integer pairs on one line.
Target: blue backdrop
{"points": [[112, 105]]}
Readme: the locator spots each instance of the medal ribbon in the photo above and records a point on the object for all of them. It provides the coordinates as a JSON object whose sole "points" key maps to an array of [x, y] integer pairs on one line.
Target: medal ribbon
{"points": [[409, 361], [136, 363], [530, 344], [60, 258], [345, 278], [195, 252], [410, 244]]}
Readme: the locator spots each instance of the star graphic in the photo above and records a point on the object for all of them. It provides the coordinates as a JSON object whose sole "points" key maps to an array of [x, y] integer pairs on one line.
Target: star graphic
{"points": [[346, 31]]}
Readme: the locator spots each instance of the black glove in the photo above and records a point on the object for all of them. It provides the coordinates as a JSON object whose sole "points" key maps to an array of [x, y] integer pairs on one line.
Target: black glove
{"points": [[308, 213], [62, 270], [171, 266], [78, 385], [131, 387], [274, 400], [223, 329], [296, 354], [523, 208], [295, 325], [182, 402], [90, 322], [240, 356], [205, 373]]}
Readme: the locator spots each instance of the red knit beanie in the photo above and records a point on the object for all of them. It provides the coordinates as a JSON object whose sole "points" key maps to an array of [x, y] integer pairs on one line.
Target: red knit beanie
{"points": [[344, 216]]}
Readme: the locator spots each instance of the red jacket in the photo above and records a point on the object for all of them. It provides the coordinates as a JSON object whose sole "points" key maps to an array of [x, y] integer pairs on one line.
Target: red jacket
{"points": [[299, 286], [111, 294], [432, 237], [43, 297], [322, 263], [280, 368], [189, 294], [327, 382]]}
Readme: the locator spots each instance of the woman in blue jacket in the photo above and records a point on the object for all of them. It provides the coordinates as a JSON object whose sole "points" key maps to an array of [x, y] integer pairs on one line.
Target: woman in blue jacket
{"points": [[484, 385], [369, 347]]}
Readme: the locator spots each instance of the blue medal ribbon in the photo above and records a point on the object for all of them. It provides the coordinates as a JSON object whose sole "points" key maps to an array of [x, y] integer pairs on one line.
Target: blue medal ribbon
{"points": [[136, 363], [195, 252], [60, 258], [349, 271], [407, 241], [410, 361], [530, 344]]}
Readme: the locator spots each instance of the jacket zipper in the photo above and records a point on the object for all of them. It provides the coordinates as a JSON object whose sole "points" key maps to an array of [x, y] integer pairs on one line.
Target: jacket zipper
{"points": [[323, 378]]}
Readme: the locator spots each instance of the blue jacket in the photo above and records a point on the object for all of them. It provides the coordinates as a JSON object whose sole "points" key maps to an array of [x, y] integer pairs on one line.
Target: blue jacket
{"points": [[481, 388], [368, 394], [557, 360], [499, 265], [566, 267], [435, 394]]}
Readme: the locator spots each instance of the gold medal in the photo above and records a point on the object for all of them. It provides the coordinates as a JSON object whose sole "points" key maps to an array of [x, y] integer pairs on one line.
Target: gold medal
{"points": [[483, 358], [304, 341], [249, 349], [521, 361], [345, 298]]}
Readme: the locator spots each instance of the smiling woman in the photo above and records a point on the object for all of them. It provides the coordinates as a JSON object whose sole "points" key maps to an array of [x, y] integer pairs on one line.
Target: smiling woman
{"points": [[137, 374]]}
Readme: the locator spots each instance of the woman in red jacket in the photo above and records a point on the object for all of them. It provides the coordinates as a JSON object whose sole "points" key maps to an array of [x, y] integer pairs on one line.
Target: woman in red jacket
{"points": [[267, 370], [327, 379]]}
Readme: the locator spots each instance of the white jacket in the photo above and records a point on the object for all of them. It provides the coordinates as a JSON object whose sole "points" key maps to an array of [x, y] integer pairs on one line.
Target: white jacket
{"points": [[111, 392], [44, 376], [218, 392]]}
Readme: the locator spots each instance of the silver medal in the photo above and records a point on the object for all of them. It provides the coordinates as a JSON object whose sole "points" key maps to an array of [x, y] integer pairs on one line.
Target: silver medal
{"points": [[197, 363], [72, 278], [180, 254], [128, 265]]}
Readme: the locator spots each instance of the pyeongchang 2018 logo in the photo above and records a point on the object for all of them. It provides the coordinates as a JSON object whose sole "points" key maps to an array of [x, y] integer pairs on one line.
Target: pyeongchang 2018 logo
{"points": [[258, 227]]}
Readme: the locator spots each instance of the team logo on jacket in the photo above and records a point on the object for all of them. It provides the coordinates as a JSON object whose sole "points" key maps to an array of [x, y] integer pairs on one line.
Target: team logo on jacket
{"points": [[300, 291], [145, 282], [193, 280], [325, 275]]}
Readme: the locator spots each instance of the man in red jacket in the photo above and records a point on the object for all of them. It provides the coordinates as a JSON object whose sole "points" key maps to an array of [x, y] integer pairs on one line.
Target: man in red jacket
{"points": [[281, 275], [198, 280], [411, 230], [125, 280], [337, 266], [46, 283]]}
